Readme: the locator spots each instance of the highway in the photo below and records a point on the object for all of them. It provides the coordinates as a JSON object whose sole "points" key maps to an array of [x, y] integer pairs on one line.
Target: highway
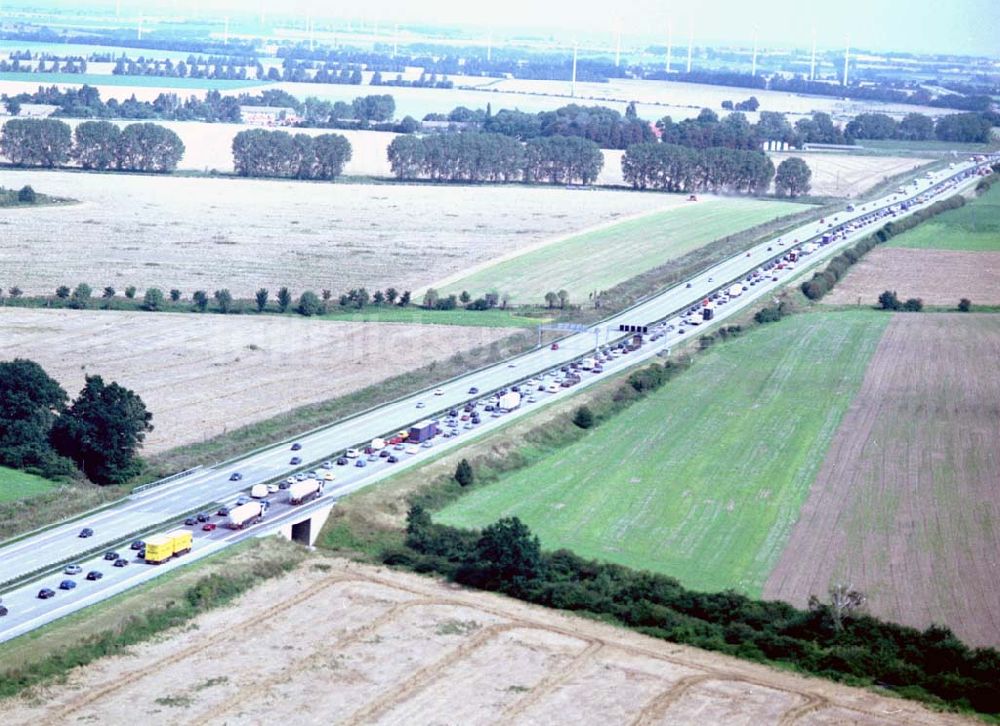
{"points": [[61, 543]]}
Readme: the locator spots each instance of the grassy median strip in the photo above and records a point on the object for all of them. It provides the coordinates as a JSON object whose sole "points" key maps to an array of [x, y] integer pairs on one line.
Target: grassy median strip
{"points": [[113, 625]]}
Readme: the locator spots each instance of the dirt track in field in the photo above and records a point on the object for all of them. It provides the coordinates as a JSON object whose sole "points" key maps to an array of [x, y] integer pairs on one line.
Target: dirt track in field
{"points": [[938, 277], [907, 504], [357, 644], [242, 234], [203, 374]]}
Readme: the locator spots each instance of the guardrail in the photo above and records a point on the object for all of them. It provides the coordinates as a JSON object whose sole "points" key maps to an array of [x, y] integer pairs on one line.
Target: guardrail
{"points": [[166, 480]]}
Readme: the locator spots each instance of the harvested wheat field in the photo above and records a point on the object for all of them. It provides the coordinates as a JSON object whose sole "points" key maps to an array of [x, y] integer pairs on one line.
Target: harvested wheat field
{"points": [[203, 374], [938, 277], [837, 175], [905, 506], [340, 642], [242, 234]]}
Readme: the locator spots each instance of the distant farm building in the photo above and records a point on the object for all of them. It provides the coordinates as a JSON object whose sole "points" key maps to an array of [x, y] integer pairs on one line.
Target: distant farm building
{"points": [[269, 115]]}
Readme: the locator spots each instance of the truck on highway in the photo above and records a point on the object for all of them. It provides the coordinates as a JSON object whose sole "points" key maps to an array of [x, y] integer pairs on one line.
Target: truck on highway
{"points": [[304, 491], [245, 515], [258, 491], [588, 364], [377, 444], [422, 431], [161, 547], [735, 290], [509, 401]]}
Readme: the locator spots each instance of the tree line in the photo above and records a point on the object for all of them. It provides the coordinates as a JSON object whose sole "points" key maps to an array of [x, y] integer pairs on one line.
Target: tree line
{"points": [[479, 157], [828, 639], [681, 169], [145, 147], [99, 433], [958, 127], [604, 126], [262, 153]]}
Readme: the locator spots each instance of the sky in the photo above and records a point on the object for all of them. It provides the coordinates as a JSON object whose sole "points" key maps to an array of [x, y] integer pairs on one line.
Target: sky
{"points": [[945, 26]]}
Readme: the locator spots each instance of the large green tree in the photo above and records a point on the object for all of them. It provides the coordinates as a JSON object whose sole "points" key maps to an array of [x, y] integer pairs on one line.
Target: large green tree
{"points": [[792, 177], [96, 144], [36, 142], [507, 557], [148, 147], [29, 403], [103, 430]]}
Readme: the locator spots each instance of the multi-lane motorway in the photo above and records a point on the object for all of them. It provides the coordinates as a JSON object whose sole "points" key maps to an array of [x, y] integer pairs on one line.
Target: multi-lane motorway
{"points": [[164, 504]]}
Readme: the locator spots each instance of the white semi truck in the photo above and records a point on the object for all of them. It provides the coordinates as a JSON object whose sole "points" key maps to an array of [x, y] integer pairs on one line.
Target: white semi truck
{"points": [[245, 515], [304, 491]]}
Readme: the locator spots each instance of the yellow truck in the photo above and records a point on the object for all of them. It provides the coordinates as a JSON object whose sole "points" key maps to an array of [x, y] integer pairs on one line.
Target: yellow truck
{"points": [[161, 547]]}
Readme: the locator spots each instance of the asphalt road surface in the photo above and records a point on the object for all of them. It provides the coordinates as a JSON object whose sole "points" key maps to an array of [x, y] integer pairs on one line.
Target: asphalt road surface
{"points": [[166, 505]]}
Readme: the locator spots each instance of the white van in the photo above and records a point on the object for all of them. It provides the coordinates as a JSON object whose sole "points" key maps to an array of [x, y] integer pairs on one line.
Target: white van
{"points": [[258, 491], [352, 453]]}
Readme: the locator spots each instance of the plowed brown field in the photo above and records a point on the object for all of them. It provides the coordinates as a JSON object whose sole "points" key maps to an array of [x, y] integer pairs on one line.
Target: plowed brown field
{"points": [[345, 643], [938, 277], [203, 374], [907, 504]]}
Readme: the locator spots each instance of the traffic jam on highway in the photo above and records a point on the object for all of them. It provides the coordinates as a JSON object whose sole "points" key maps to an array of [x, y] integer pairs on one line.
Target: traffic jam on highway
{"points": [[329, 476]]}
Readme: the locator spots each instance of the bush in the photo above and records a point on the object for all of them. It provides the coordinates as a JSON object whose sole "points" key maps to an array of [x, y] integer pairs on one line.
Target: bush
{"points": [[964, 305], [175, 295], [309, 304], [463, 473], [815, 288], [153, 299], [80, 297], [913, 305], [478, 304], [27, 195], [888, 300], [62, 292], [584, 417], [130, 292]]}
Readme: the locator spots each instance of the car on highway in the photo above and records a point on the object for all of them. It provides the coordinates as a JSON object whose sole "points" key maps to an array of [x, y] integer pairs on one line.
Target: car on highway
{"points": [[328, 476], [473, 391], [295, 460], [3, 610], [110, 556], [427, 444], [327, 465], [271, 489], [235, 476], [67, 584], [121, 562], [383, 454], [73, 569], [554, 346], [242, 500], [94, 575], [45, 593], [208, 526], [86, 532], [392, 459], [189, 522], [342, 461], [223, 511], [438, 391], [420, 404], [360, 463], [296, 446]]}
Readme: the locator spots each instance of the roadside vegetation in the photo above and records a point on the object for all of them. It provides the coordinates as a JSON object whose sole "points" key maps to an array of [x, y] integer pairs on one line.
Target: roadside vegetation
{"points": [[26, 196], [16, 485], [141, 614]]}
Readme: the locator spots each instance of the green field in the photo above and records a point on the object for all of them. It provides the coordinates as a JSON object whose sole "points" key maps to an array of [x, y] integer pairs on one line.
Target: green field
{"points": [[603, 258], [973, 228], [702, 480], [94, 79], [16, 484]]}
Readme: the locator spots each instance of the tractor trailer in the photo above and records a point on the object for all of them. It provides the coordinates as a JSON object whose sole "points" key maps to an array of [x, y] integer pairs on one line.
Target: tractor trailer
{"points": [[509, 401], [735, 290], [161, 547], [304, 491], [245, 515]]}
